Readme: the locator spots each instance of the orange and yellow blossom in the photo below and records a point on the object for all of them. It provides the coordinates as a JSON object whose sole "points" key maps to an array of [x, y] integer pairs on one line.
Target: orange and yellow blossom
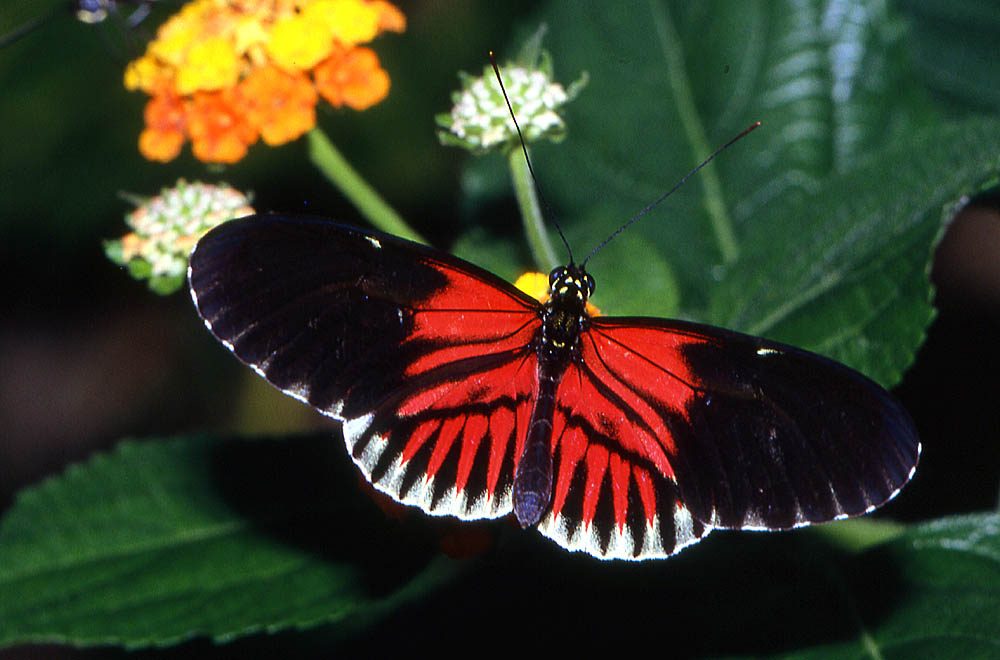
{"points": [[282, 105], [218, 129], [352, 78], [223, 72], [164, 134]]}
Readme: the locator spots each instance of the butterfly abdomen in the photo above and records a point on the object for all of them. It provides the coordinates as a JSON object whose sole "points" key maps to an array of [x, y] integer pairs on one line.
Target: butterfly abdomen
{"points": [[533, 476]]}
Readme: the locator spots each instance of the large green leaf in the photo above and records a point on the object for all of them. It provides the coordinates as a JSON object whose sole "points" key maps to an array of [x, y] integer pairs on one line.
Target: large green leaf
{"points": [[816, 229], [160, 541], [669, 81], [845, 272], [938, 596]]}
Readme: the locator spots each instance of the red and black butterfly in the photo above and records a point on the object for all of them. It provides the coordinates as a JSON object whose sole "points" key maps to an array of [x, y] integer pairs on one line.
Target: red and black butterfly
{"points": [[627, 438]]}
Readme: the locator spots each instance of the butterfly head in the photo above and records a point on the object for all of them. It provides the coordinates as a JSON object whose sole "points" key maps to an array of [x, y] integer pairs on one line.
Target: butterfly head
{"points": [[570, 286]]}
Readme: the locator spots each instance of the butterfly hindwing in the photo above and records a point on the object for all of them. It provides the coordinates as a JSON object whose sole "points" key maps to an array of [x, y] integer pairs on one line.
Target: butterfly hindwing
{"points": [[424, 357], [615, 492]]}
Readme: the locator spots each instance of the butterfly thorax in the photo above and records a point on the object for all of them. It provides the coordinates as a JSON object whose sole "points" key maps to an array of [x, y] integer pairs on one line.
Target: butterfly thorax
{"points": [[569, 289]]}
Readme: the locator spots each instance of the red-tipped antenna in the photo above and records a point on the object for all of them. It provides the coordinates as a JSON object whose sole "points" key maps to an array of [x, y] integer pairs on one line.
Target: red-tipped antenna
{"points": [[669, 192]]}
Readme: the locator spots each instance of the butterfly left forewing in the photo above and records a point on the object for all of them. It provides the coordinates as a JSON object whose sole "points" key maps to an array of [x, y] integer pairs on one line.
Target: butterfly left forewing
{"points": [[425, 358], [759, 435]]}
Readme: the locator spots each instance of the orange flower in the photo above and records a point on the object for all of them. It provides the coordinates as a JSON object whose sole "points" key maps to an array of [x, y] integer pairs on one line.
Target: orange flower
{"points": [[219, 132], [390, 18], [242, 67], [163, 136], [353, 78], [279, 104]]}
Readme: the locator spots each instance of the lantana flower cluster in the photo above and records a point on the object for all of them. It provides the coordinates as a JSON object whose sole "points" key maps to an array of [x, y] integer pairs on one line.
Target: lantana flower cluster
{"points": [[165, 228], [480, 119], [224, 73]]}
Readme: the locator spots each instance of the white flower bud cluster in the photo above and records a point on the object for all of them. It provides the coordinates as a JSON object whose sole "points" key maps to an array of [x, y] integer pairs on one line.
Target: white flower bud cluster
{"points": [[166, 228], [480, 120]]}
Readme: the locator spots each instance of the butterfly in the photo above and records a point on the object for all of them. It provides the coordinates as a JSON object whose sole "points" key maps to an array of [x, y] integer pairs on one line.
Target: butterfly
{"points": [[623, 437]]}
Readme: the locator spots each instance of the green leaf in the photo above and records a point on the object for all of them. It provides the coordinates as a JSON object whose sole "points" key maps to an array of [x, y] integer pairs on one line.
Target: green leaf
{"points": [[844, 272], [670, 81], [817, 228], [936, 595], [160, 541], [955, 48]]}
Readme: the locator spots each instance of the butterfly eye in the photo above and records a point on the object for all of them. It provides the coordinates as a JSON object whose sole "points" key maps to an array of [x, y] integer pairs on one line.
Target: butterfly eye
{"points": [[557, 274], [591, 284]]}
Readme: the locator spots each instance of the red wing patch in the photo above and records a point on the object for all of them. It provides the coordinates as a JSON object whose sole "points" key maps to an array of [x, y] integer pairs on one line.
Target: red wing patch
{"points": [[740, 431], [620, 406], [427, 360], [445, 435]]}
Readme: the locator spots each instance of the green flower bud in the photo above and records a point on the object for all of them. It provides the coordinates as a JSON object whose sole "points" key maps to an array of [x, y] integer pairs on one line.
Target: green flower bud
{"points": [[166, 228]]}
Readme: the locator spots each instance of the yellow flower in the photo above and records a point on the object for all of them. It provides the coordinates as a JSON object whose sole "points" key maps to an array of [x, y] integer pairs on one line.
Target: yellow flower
{"points": [[146, 74], [536, 285], [239, 68], [298, 43], [210, 64], [350, 22], [178, 34]]}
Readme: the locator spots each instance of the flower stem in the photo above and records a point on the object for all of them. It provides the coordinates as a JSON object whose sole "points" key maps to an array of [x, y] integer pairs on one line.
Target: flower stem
{"points": [[718, 214], [531, 212], [335, 167]]}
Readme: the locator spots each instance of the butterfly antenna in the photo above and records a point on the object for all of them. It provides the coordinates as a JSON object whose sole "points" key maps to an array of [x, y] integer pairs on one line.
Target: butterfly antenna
{"points": [[517, 127], [669, 192]]}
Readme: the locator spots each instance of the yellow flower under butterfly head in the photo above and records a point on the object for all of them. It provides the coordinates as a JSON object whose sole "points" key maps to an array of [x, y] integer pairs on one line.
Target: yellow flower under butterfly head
{"points": [[536, 285], [224, 72]]}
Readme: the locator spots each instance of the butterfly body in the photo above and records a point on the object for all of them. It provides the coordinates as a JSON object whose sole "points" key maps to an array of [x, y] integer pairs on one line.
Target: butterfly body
{"points": [[557, 345], [626, 438]]}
